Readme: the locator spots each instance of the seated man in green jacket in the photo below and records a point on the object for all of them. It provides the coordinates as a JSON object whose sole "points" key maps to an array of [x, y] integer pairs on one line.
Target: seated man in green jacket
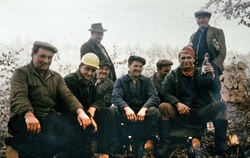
{"points": [[192, 95], [82, 86], [38, 128]]}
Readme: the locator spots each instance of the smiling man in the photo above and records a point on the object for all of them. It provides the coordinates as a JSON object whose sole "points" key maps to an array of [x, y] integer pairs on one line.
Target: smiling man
{"points": [[208, 39], [83, 87], [137, 100], [190, 98], [103, 84], [36, 95]]}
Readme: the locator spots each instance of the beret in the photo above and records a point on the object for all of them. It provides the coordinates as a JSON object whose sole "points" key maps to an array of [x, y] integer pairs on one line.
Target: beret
{"points": [[187, 49], [202, 13], [45, 45], [136, 58]]}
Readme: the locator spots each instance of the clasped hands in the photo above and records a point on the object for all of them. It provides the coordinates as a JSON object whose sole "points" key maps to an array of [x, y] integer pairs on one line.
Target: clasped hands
{"points": [[140, 116]]}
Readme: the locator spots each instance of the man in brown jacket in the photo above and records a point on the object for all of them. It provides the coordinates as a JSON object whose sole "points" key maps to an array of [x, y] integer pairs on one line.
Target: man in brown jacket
{"points": [[38, 129], [208, 39]]}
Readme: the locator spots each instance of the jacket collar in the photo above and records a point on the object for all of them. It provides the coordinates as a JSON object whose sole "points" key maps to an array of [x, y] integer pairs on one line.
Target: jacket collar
{"points": [[128, 78], [92, 41], [209, 34], [155, 76]]}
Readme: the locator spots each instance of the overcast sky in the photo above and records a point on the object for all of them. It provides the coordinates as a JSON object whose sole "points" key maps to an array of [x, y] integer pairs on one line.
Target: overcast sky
{"points": [[142, 23]]}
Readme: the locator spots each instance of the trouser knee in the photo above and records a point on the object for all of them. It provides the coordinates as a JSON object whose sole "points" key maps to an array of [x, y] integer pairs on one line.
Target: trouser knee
{"points": [[167, 111], [220, 109], [153, 112]]}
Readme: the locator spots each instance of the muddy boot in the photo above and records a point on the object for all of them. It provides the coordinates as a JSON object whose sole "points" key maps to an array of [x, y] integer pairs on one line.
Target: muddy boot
{"points": [[164, 127], [220, 136]]}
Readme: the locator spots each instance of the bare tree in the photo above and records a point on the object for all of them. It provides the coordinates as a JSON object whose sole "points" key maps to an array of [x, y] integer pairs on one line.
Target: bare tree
{"points": [[237, 9]]}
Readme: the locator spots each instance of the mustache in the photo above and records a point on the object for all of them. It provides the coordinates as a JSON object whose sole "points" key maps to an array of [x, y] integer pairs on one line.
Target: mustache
{"points": [[43, 63], [137, 71], [104, 73]]}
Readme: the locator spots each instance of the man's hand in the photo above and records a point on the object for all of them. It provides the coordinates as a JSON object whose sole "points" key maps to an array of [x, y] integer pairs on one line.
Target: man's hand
{"points": [[92, 110], [83, 118], [130, 113], [182, 108], [33, 125], [94, 124], [141, 114], [209, 68]]}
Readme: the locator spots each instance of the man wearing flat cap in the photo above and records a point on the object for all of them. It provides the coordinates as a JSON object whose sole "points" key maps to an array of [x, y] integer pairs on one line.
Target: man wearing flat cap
{"points": [[208, 39], [163, 68], [37, 94], [190, 99], [94, 45], [103, 84], [136, 100]]}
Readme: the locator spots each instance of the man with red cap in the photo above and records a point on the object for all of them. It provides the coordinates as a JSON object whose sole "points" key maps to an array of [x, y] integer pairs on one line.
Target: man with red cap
{"points": [[192, 96]]}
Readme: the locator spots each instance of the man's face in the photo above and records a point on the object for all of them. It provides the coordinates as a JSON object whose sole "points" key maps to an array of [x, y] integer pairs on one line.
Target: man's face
{"points": [[42, 59], [186, 60], [165, 70], [135, 68], [97, 36], [202, 21], [87, 71], [102, 72]]}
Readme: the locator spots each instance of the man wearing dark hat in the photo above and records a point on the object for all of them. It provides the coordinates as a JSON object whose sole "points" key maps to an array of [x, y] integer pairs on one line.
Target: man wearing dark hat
{"points": [[94, 45], [163, 68], [190, 98], [136, 100], [208, 39], [36, 95]]}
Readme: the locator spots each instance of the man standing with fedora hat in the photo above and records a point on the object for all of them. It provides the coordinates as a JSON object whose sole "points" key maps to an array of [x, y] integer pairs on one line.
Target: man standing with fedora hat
{"points": [[208, 39], [94, 45]]}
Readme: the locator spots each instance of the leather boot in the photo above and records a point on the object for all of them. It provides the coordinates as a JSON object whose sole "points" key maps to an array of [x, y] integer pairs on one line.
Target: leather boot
{"points": [[220, 136]]}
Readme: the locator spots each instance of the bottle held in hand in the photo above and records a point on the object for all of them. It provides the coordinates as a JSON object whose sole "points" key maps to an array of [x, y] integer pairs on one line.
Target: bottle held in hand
{"points": [[204, 63]]}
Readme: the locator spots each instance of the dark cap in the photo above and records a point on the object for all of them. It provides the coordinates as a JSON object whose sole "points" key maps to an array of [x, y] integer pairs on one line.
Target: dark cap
{"points": [[136, 58], [104, 64], [97, 27], [164, 62], [44, 45], [202, 13]]}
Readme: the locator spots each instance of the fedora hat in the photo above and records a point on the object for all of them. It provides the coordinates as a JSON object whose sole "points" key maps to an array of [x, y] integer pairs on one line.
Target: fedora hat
{"points": [[97, 27]]}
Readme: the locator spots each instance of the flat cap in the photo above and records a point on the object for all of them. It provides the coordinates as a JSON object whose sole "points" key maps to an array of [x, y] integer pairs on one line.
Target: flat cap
{"points": [[45, 45], [164, 62], [136, 58], [202, 13]]}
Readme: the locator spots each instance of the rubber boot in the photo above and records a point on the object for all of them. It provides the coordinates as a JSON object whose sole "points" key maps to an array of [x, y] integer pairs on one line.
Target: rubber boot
{"points": [[220, 136], [164, 128]]}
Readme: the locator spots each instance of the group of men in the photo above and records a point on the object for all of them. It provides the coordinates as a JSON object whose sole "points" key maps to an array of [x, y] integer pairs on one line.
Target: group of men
{"points": [[51, 114]]}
